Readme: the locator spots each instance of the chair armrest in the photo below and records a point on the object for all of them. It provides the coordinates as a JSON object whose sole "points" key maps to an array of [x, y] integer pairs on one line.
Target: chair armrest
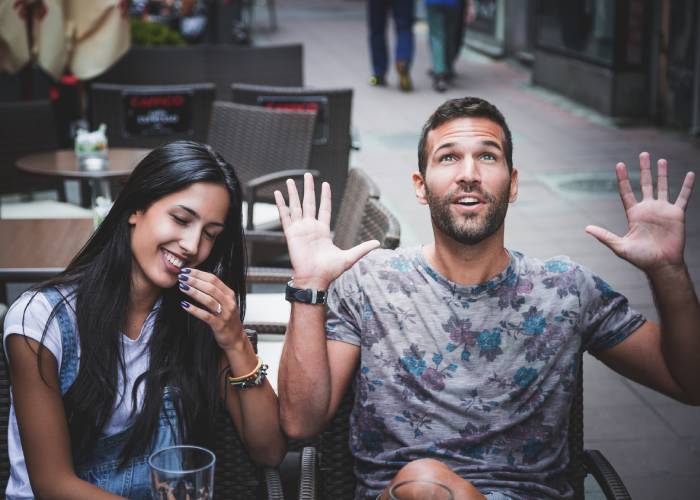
{"points": [[605, 475], [264, 236], [308, 479], [273, 484], [252, 186], [279, 275]]}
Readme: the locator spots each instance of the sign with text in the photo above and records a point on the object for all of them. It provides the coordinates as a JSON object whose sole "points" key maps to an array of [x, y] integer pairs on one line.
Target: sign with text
{"points": [[154, 113], [319, 104]]}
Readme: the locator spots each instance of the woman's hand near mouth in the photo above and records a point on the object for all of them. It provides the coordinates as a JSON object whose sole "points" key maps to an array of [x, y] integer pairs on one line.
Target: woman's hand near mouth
{"points": [[219, 306]]}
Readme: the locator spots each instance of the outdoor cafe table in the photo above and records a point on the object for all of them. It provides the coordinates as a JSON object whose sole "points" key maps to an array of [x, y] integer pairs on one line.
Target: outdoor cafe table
{"points": [[34, 249], [63, 163]]}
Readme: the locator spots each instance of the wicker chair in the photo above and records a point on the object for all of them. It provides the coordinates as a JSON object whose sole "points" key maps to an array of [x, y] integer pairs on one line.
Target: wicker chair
{"points": [[108, 105], [236, 476], [265, 147], [26, 127], [327, 469], [330, 153], [361, 217], [220, 64]]}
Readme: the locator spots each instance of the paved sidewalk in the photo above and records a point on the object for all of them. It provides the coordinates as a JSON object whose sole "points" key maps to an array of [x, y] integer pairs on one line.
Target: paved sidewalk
{"points": [[566, 156]]}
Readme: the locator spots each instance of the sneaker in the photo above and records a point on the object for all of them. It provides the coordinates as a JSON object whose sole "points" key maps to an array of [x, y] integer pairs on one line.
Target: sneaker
{"points": [[405, 83], [377, 81], [449, 75], [439, 83]]}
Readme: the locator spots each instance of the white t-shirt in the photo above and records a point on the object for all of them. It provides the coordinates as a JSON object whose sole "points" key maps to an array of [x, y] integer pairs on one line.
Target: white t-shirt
{"points": [[135, 357]]}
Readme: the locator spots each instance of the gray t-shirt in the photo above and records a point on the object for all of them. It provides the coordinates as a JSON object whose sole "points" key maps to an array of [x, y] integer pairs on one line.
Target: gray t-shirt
{"points": [[479, 377]]}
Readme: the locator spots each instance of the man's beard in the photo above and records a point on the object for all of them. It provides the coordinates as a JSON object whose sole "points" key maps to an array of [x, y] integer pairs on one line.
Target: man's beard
{"points": [[468, 229]]}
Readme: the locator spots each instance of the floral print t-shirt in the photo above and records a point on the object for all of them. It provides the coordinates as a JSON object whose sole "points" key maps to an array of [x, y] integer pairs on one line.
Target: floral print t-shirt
{"points": [[479, 377]]}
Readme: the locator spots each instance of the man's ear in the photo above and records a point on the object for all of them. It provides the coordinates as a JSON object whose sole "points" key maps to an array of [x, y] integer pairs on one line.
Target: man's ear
{"points": [[133, 218], [419, 187], [513, 186]]}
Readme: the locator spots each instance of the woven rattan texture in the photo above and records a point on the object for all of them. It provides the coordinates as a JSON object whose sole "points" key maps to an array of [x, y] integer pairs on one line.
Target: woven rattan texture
{"points": [[258, 141], [332, 157], [106, 106]]}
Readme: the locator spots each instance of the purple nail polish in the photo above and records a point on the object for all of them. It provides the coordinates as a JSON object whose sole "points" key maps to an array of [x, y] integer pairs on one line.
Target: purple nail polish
{"points": [[186, 270], [185, 304], [183, 286], [183, 277]]}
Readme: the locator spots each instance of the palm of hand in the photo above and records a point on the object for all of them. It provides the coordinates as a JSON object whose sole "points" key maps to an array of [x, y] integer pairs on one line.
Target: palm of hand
{"points": [[655, 236], [311, 250]]}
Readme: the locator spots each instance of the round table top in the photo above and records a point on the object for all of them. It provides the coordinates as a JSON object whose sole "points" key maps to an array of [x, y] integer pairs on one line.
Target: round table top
{"points": [[64, 163], [41, 243]]}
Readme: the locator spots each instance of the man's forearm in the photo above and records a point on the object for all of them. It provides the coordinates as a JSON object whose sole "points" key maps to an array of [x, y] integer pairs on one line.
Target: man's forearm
{"points": [[679, 313], [304, 374]]}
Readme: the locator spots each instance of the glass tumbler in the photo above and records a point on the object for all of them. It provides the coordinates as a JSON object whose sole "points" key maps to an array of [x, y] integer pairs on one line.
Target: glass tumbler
{"points": [[422, 489], [182, 473]]}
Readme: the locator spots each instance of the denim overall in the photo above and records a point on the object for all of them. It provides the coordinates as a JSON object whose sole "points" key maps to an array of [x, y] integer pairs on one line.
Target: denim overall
{"points": [[102, 468]]}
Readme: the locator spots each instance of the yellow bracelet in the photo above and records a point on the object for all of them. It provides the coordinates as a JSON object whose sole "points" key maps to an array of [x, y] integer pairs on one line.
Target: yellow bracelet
{"points": [[232, 380]]}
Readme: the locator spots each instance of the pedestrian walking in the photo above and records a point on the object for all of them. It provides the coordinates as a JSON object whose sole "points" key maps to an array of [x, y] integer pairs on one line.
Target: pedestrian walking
{"points": [[403, 12], [444, 27]]}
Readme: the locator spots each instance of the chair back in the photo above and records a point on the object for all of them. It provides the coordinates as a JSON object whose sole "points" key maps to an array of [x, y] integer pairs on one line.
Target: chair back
{"points": [[149, 116], [335, 462], [359, 188], [221, 64], [330, 153], [259, 141], [26, 127]]}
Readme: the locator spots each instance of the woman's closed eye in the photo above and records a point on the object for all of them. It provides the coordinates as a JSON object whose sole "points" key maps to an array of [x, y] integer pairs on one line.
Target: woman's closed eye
{"points": [[180, 220]]}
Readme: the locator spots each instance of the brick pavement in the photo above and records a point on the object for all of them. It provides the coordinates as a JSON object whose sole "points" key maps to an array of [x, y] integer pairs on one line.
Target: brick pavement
{"points": [[653, 441]]}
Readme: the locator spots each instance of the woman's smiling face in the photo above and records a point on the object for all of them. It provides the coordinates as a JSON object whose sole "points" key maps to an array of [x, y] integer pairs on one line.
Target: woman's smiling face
{"points": [[176, 231]]}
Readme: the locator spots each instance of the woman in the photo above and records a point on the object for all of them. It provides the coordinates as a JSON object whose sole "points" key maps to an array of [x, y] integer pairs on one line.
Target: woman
{"points": [[134, 345]]}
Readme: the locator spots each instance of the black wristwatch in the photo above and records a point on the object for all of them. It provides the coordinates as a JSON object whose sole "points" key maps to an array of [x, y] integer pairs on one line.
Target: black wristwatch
{"points": [[304, 295]]}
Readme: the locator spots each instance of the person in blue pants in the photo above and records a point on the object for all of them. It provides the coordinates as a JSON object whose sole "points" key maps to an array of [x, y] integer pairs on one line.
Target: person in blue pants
{"points": [[403, 13], [444, 21]]}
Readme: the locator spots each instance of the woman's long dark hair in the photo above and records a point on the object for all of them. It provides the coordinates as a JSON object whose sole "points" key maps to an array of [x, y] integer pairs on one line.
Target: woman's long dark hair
{"points": [[184, 356]]}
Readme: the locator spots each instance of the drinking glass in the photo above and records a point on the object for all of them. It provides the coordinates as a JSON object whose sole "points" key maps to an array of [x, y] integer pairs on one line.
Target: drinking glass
{"points": [[420, 488], [182, 473]]}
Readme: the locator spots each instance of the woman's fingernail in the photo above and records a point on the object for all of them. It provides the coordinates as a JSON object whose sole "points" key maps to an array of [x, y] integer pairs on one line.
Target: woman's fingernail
{"points": [[185, 304], [183, 277], [183, 286], [186, 270]]}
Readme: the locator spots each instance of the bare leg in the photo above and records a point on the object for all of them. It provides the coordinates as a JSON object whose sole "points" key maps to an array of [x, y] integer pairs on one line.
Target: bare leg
{"points": [[434, 470]]}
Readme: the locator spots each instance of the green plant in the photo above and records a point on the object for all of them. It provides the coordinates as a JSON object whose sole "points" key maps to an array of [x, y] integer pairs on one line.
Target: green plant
{"points": [[149, 34]]}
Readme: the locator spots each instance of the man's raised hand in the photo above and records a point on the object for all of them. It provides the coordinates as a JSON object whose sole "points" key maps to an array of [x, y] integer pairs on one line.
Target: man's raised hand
{"points": [[655, 237], [316, 261]]}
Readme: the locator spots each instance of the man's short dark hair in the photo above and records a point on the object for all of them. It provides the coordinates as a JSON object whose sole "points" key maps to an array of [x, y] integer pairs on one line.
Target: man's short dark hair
{"points": [[464, 107]]}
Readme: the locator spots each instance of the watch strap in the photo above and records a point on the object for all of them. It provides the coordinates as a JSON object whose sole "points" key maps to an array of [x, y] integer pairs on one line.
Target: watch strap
{"points": [[304, 295]]}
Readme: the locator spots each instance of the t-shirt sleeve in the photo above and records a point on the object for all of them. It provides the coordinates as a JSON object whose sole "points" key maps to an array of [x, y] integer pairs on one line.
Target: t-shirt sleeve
{"points": [[343, 317], [28, 316], [606, 318]]}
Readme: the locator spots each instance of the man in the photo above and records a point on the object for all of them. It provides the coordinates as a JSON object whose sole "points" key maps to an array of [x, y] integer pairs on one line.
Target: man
{"points": [[463, 354]]}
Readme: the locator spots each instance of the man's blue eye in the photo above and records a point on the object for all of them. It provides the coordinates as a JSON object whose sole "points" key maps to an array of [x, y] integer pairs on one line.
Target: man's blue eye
{"points": [[488, 156], [448, 157]]}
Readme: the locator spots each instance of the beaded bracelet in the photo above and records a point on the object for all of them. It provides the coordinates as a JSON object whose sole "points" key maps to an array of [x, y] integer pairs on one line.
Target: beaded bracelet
{"points": [[232, 380], [257, 381]]}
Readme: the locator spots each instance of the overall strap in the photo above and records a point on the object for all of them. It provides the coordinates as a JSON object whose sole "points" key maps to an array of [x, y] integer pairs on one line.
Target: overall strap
{"points": [[69, 339]]}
